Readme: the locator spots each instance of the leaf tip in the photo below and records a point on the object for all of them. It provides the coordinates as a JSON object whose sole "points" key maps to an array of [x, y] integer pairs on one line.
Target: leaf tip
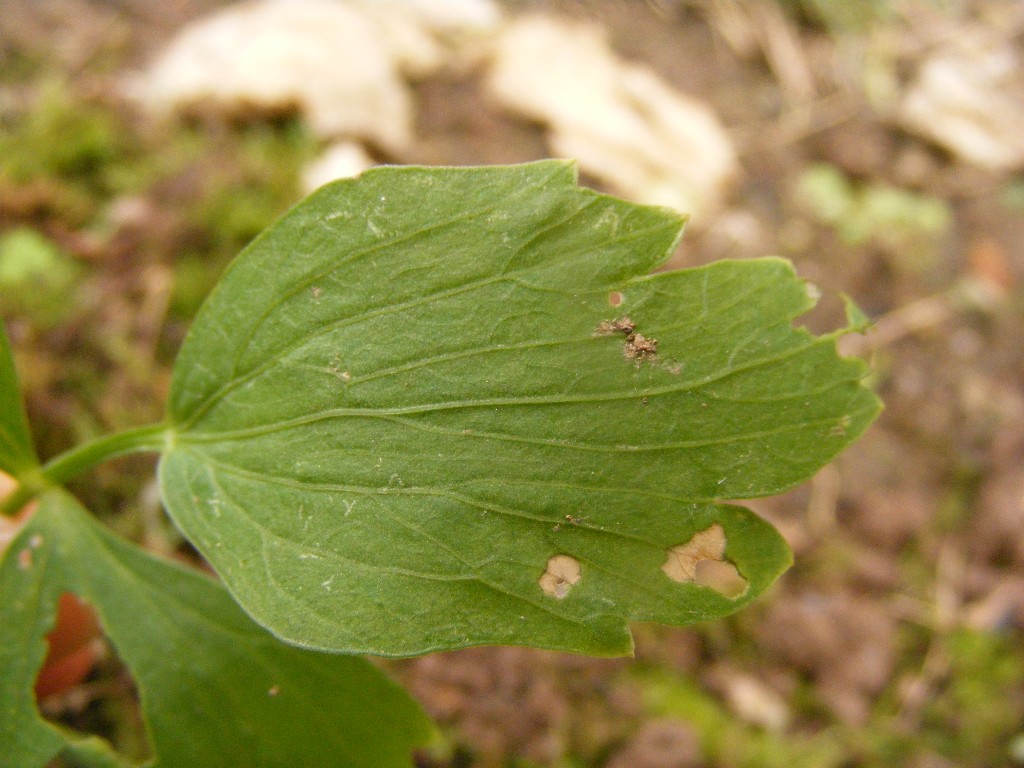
{"points": [[857, 321]]}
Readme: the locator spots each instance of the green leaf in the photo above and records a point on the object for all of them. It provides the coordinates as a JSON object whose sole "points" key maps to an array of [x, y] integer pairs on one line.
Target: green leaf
{"points": [[216, 689], [857, 320], [16, 452], [426, 410]]}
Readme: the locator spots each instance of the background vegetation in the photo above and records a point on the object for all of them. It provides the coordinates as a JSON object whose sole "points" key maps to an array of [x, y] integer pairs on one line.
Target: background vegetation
{"points": [[898, 637]]}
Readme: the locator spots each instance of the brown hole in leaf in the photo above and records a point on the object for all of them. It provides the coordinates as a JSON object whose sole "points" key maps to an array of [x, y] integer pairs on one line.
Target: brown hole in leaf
{"points": [[701, 561], [615, 298], [561, 573], [721, 576]]}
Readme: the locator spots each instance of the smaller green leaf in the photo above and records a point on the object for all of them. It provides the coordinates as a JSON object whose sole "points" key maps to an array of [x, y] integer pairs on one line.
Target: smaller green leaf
{"points": [[37, 278], [857, 320], [216, 689], [16, 452]]}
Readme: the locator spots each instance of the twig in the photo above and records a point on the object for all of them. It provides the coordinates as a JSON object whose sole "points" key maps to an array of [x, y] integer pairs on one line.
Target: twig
{"points": [[948, 599]]}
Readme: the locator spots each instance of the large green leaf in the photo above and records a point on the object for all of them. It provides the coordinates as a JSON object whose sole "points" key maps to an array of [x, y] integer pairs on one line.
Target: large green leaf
{"points": [[17, 454], [216, 689], [432, 408]]}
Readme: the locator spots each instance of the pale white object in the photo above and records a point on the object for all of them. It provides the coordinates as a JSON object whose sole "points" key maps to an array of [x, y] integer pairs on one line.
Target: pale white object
{"points": [[427, 36], [331, 60], [969, 98], [339, 161], [622, 122], [447, 17], [755, 702]]}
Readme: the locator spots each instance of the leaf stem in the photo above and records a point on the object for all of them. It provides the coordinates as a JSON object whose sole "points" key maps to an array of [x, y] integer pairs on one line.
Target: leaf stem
{"points": [[77, 460]]}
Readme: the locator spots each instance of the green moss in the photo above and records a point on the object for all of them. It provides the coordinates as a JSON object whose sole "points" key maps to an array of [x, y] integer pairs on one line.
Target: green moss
{"points": [[968, 720], [162, 153], [194, 277], [839, 16], [37, 279], [59, 136], [54, 155], [906, 226], [249, 178], [982, 702], [1012, 195], [253, 179], [728, 741]]}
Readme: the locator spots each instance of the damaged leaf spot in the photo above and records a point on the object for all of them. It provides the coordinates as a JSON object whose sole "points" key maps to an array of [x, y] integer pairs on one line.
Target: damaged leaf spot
{"points": [[560, 575], [721, 576], [637, 346], [335, 369], [839, 430], [25, 555], [615, 298], [708, 544], [622, 325], [701, 561]]}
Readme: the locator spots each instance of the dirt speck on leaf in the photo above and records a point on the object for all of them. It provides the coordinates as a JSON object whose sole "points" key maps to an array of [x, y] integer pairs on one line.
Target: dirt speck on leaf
{"points": [[637, 346], [701, 561], [560, 575], [621, 325]]}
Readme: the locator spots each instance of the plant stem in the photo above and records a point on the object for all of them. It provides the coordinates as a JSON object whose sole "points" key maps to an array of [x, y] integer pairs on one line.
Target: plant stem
{"points": [[77, 460], [74, 462]]}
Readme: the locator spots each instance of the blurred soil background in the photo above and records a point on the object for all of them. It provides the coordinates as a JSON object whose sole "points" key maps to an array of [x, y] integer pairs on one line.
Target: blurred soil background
{"points": [[879, 145]]}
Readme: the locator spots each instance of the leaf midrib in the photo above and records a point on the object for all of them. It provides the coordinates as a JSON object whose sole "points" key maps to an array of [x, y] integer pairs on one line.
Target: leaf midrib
{"points": [[194, 436]]}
